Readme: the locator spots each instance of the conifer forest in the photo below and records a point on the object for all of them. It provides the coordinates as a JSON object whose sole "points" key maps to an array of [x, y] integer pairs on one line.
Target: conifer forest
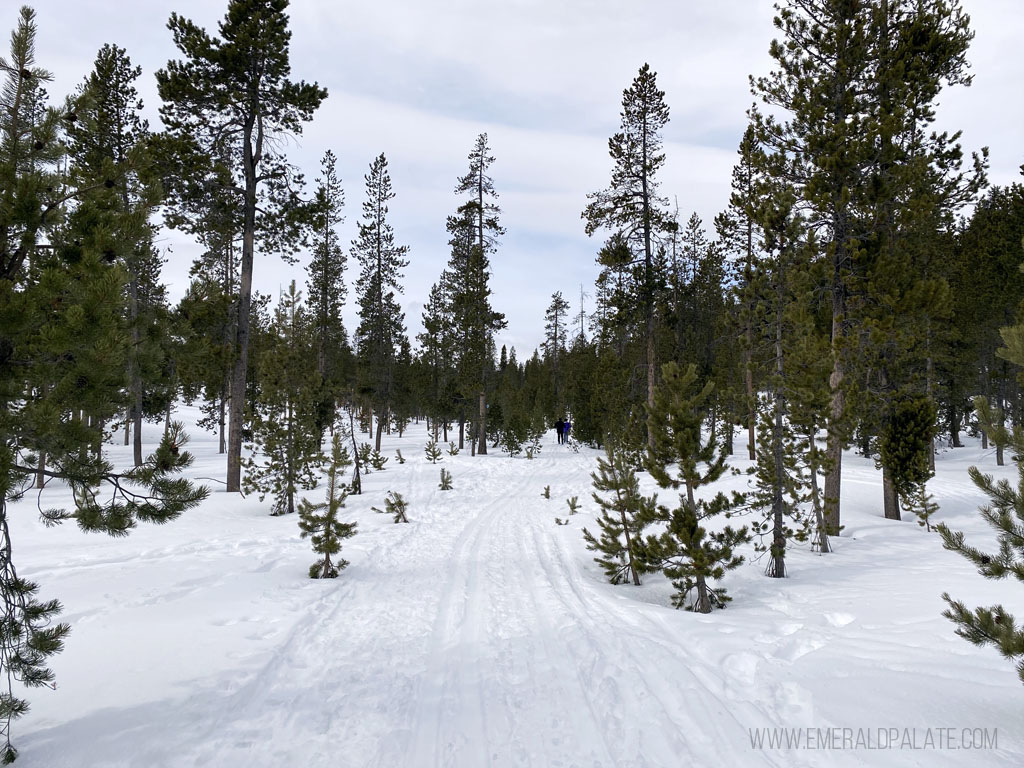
{"points": [[751, 495]]}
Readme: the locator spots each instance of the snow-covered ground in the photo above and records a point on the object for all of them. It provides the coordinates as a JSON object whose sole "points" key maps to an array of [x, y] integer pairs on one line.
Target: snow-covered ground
{"points": [[483, 634]]}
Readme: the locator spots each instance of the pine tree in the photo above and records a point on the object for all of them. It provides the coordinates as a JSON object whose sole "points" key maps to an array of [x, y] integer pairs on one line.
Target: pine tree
{"points": [[630, 207], [446, 480], [63, 352], [738, 235], [689, 554], [857, 83], [624, 514], [320, 521], [107, 150], [433, 452], [780, 482], [474, 233], [381, 320], [327, 291], [284, 416], [555, 335], [438, 355], [394, 505], [229, 99]]}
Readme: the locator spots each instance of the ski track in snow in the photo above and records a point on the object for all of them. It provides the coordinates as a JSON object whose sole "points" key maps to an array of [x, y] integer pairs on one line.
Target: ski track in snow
{"points": [[482, 635]]}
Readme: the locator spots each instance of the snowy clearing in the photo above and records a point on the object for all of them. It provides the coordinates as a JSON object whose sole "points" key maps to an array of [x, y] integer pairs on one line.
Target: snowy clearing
{"points": [[483, 634]]}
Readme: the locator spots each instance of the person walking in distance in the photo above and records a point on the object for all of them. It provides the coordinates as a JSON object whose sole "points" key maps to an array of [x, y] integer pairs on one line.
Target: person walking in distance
{"points": [[559, 427]]}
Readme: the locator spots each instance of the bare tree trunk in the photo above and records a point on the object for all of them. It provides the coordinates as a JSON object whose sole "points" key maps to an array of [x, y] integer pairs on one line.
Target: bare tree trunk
{"points": [[240, 369], [221, 445], [751, 412], [889, 495], [703, 603], [357, 483], [821, 535], [834, 445], [482, 426], [1001, 405], [629, 550], [380, 427]]}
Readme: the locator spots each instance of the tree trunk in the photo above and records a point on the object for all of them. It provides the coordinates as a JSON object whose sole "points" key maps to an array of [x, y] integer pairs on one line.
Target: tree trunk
{"points": [[703, 603], [751, 411], [481, 449], [834, 445], [238, 374], [221, 445], [1001, 405], [357, 483], [135, 374], [889, 495], [821, 535], [380, 428], [629, 550]]}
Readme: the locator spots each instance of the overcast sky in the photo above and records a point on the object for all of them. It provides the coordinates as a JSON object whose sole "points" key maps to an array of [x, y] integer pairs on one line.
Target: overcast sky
{"points": [[419, 79]]}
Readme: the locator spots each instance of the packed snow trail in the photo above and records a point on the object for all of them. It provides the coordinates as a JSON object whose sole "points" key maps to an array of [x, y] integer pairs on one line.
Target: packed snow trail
{"points": [[482, 635]]}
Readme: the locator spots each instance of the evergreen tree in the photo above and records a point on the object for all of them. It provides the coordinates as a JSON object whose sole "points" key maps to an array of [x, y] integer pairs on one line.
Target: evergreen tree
{"points": [[395, 506], [63, 353], [381, 320], [229, 100], [738, 235], [438, 356], [858, 82], [320, 521], [779, 480], [106, 147], [689, 554], [630, 207], [555, 334], [624, 514], [475, 231], [284, 415], [327, 291]]}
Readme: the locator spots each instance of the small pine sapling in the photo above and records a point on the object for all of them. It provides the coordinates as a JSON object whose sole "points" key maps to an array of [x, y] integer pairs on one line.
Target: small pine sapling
{"points": [[399, 457], [446, 480], [365, 452], [923, 505], [779, 485], [547, 492], [378, 460], [433, 452], [320, 521], [560, 521], [689, 555], [510, 443], [394, 505], [624, 514], [453, 449], [574, 504]]}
